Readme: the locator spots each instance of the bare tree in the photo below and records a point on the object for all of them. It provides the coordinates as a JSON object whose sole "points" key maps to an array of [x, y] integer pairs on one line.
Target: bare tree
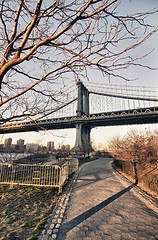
{"points": [[43, 42], [136, 148]]}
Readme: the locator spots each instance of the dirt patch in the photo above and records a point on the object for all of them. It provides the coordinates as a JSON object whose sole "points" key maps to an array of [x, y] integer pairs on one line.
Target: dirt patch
{"points": [[24, 210]]}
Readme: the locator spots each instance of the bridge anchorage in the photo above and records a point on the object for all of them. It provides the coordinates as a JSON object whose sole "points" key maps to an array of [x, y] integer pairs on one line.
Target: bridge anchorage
{"points": [[95, 105]]}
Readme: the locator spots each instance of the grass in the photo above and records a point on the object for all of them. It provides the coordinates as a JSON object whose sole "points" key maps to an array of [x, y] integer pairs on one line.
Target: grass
{"points": [[24, 211]]}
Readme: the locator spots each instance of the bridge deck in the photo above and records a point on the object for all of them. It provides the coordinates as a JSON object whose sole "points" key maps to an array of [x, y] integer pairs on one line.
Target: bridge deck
{"points": [[127, 117]]}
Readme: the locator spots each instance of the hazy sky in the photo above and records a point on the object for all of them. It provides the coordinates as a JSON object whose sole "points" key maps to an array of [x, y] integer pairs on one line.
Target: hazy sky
{"points": [[145, 77]]}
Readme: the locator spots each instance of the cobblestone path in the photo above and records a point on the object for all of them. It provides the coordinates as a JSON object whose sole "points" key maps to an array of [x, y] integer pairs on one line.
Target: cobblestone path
{"points": [[104, 206]]}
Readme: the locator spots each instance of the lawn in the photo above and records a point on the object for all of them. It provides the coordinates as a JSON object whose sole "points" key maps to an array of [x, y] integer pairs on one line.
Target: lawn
{"points": [[24, 210]]}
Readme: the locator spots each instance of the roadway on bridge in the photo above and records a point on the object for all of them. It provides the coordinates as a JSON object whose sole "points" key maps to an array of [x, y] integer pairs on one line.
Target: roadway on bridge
{"points": [[103, 205]]}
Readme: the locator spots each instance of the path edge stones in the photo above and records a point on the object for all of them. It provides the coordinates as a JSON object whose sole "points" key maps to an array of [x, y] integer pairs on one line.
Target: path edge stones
{"points": [[55, 219]]}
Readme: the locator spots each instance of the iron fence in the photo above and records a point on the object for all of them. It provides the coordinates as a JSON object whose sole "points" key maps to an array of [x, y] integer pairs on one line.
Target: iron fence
{"points": [[38, 175], [147, 173]]}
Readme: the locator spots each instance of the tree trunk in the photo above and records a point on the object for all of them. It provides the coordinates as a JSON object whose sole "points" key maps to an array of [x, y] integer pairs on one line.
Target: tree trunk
{"points": [[135, 173]]}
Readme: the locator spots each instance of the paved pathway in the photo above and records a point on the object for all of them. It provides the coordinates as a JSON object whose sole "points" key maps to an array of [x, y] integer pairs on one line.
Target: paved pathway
{"points": [[103, 206]]}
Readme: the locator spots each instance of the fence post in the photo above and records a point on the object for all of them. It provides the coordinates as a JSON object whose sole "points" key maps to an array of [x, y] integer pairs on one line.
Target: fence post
{"points": [[12, 174], [60, 181]]}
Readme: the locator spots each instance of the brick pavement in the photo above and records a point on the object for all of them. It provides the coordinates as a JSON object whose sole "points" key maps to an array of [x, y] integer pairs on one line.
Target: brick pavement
{"points": [[102, 205]]}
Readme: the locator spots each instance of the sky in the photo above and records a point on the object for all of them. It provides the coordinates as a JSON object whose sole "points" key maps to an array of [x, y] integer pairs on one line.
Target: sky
{"points": [[145, 77]]}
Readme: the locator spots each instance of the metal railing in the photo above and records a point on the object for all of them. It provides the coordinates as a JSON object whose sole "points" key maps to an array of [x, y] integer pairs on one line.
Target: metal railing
{"points": [[38, 175]]}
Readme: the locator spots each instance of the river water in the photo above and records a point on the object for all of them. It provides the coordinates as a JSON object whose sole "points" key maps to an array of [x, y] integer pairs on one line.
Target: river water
{"points": [[10, 157]]}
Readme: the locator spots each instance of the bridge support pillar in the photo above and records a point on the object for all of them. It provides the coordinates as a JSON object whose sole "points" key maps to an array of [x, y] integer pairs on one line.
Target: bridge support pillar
{"points": [[83, 131], [83, 100], [83, 137]]}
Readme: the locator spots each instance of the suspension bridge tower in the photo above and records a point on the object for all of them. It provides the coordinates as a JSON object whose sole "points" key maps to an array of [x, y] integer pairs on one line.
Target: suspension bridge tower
{"points": [[82, 130]]}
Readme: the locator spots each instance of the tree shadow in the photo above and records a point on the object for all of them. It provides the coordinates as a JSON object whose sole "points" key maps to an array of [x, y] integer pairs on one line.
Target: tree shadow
{"points": [[82, 181], [82, 217]]}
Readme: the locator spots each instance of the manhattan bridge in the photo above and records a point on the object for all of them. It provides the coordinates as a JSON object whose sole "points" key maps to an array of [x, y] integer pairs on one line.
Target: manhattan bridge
{"points": [[87, 105]]}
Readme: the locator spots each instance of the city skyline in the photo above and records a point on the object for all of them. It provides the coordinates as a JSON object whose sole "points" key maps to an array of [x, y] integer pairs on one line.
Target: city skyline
{"points": [[49, 146]]}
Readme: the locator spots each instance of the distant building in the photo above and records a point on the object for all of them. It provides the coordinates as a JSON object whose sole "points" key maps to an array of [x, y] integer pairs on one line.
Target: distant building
{"points": [[14, 147], [1, 146], [32, 147], [8, 143], [20, 144], [62, 148], [50, 146], [65, 148]]}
